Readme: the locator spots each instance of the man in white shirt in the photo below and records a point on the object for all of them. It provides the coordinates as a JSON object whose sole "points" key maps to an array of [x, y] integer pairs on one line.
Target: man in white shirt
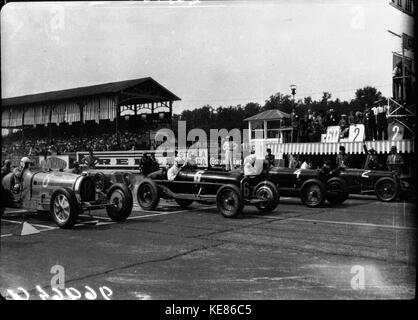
{"points": [[304, 165], [175, 169], [229, 146], [249, 164]]}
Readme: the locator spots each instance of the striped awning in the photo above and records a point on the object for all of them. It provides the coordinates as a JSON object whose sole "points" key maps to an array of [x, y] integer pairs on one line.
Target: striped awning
{"points": [[403, 146]]}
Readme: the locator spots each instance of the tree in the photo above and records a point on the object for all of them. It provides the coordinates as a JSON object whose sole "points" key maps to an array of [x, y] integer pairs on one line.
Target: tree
{"points": [[366, 96], [281, 102]]}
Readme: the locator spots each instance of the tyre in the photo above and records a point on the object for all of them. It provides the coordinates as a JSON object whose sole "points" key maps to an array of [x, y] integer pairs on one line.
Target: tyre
{"points": [[148, 195], [100, 181], [229, 201], [64, 208], [184, 203], [120, 198], [312, 193], [267, 190], [386, 189], [337, 191]]}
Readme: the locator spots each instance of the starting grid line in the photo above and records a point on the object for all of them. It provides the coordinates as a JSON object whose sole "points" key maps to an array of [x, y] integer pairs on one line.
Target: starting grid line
{"points": [[102, 223]]}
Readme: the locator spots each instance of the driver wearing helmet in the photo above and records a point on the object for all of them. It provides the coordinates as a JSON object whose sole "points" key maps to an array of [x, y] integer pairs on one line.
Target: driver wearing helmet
{"points": [[18, 172], [249, 164]]}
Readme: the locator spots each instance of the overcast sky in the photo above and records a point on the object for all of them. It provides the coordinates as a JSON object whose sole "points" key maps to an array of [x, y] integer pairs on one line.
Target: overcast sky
{"points": [[217, 53]]}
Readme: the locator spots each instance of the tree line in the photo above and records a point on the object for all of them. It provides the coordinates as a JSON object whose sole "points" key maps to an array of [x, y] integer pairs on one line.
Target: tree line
{"points": [[208, 117]]}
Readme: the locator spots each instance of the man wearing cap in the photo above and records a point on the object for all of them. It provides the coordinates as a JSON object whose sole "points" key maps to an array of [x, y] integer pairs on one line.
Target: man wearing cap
{"points": [[395, 161], [175, 169], [18, 173], [229, 146], [270, 158], [342, 159]]}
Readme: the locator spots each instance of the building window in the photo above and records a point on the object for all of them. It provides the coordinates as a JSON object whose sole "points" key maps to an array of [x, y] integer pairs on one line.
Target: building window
{"points": [[399, 3], [408, 5]]}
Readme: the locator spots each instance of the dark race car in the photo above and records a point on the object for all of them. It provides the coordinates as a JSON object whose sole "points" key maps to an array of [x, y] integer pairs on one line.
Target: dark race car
{"points": [[229, 190], [387, 185], [64, 195], [313, 186]]}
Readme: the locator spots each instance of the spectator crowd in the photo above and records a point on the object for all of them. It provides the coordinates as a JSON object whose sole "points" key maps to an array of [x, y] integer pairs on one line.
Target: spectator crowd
{"points": [[309, 126]]}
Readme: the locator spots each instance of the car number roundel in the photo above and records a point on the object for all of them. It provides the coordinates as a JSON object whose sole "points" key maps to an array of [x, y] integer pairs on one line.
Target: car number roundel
{"points": [[198, 176], [45, 181]]}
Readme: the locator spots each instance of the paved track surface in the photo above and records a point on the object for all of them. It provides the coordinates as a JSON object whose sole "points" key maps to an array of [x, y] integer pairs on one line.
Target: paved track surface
{"points": [[292, 253]]}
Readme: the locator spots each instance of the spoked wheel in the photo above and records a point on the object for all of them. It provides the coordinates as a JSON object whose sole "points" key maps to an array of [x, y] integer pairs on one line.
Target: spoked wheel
{"points": [[313, 193], [268, 191], [63, 208], [229, 201], [120, 202], [337, 191], [100, 181], [148, 195], [386, 189], [184, 203]]}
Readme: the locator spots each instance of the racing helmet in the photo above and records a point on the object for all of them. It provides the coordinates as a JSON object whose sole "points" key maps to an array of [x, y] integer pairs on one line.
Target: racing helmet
{"points": [[24, 161]]}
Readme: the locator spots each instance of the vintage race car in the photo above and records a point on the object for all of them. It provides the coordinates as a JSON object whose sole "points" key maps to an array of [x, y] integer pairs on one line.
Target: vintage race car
{"points": [[313, 186], [64, 195], [229, 190], [387, 185]]}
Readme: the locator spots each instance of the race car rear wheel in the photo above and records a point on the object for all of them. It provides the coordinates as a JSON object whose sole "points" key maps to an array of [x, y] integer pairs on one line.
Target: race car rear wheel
{"points": [[268, 191], [229, 201], [386, 189], [120, 198], [148, 195], [337, 190], [184, 203], [63, 208], [312, 193]]}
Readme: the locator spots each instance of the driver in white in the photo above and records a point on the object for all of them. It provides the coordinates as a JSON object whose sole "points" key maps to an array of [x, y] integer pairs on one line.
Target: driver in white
{"points": [[175, 169], [18, 172], [249, 164]]}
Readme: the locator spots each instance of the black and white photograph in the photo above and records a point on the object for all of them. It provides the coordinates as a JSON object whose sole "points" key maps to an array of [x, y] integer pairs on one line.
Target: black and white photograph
{"points": [[235, 151]]}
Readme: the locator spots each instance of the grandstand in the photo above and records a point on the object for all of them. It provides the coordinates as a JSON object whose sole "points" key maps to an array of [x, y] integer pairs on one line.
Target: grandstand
{"points": [[114, 116]]}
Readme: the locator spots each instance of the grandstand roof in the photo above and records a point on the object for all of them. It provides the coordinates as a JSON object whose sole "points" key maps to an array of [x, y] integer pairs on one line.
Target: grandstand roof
{"points": [[273, 114], [100, 89]]}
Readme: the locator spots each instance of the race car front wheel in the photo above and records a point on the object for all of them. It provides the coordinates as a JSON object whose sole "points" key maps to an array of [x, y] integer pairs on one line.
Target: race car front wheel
{"points": [[148, 195], [120, 202], [386, 189], [63, 208], [267, 191], [337, 191], [312, 193], [229, 201]]}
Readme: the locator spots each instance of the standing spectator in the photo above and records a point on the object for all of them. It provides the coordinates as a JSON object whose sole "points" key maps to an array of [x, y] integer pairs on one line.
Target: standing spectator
{"points": [[397, 82], [229, 146], [369, 124], [394, 161], [294, 122], [382, 122], [358, 117], [344, 126], [351, 118]]}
